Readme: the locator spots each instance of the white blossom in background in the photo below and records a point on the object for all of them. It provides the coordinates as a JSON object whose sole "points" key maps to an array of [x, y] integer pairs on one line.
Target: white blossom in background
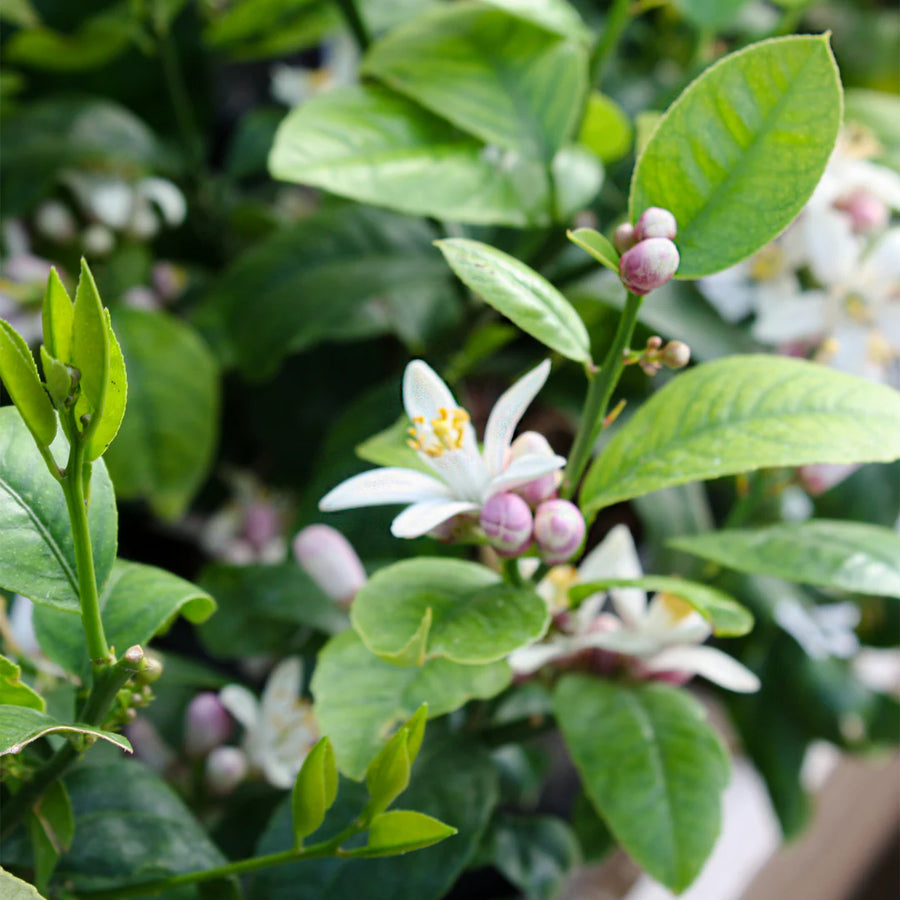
{"points": [[821, 631], [23, 279], [17, 628], [293, 85], [442, 436], [279, 728], [662, 636]]}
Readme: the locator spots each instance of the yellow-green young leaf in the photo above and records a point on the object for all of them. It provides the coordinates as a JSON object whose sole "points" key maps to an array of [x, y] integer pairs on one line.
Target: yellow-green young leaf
{"points": [[314, 790], [597, 245], [90, 346], [605, 129], [738, 154], [400, 831], [13, 691], [19, 375], [388, 774], [56, 315], [415, 727], [57, 379], [116, 393]]}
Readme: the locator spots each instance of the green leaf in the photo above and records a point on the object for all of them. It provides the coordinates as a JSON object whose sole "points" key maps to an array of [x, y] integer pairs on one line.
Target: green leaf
{"points": [[116, 393], [519, 293], [13, 888], [19, 375], [422, 608], [137, 603], [308, 283], [130, 827], [314, 790], [51, 827], [37, 555], [13, 691], [56, 316], [89, 352], [389, 448], [360, 698], [558, 16], [20, 726], [262, 607], [57, 379], [598, 245], [727, 617], [740, 151], [497, 77], [377, 147], [848, 556], [605, 129], [168, 435], [400, 831], [454, 781], [387, 776], [740, 414], [20, 12], [712, 14], [652, 767]]}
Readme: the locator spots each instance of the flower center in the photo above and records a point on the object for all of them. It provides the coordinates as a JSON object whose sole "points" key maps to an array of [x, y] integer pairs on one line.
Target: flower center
{"points": [[444, 432], [677, 608], [767, 264]]}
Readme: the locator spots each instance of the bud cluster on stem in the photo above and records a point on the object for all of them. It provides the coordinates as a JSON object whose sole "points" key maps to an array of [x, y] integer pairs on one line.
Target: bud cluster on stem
{"points": [[649, 256]]}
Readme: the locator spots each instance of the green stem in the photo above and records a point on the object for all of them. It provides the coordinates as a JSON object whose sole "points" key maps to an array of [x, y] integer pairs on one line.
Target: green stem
{"points": [[240, 867], [355, 23], [73, 488], [512, 573], [600, 390], [616, 22]]}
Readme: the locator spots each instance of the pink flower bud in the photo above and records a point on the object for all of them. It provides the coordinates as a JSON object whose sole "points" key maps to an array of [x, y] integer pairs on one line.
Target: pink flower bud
{"points": [[655, 222], [559, 530], [623, 237], [261, 525], [506, 520], [531, 443], [225, 769], [206, 724], [330, 560], [648, 265]]}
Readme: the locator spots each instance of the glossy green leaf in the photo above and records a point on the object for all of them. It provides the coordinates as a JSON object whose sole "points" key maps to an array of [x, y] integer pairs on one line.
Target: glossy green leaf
{"points": [[37, 555], [726, 616], [314, 790], [51, 827], [56, 317], [743, 413], [710, 14], [130, 827], [519, 293], [605, 129], [114, 402], [334, 276], [377, 147], [13, 691], [20, 726], [558, 16], [652, 767], [360, 698], [19, 375], [167, 438], [400, 831], [387, 776], [598, 245], [12, 888], [454, 782], [500, 78], [57, 378], [389, 448], [739, 153], [423, 608], [137, 603], [848, 556], [89, 352]]}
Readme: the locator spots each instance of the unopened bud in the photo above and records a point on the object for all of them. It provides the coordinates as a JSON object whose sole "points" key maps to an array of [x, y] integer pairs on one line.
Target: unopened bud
{"points": [[623, 237], [867, 212], [225, 769], [559, 530], [55, 222], [649, 265], [675, 355], [206, 724], [330, 560], [532, 443], [655, 222], [507, 522]]}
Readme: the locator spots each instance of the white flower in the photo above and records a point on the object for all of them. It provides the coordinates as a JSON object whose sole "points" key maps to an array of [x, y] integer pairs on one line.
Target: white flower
{"points": [[279, 729], [664, 634], [293, 85], [822, 631], [444, 439]]}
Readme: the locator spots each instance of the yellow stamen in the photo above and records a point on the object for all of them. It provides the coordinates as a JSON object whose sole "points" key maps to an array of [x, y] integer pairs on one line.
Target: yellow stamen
{"points": [[445, 432], [676, 607]]}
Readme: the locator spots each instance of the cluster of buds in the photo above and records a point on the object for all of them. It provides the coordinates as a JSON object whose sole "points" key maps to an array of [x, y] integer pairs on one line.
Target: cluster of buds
{"points": [[673, 355], [649, 255], [138, 691], [207, 726]]}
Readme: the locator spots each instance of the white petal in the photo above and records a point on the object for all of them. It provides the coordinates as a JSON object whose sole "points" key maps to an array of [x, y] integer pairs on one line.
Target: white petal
{"points": [[420, 518], [624, 640], [731, 292], [463, 470], [277, 772], [834, 250], [241, 704], [507, 412], [782, 318], [424, 392], [708, 662], [282, 690], [526, 660], [166, 196], [378, 487], [522, 470], [661, 623], [616, 557]]}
